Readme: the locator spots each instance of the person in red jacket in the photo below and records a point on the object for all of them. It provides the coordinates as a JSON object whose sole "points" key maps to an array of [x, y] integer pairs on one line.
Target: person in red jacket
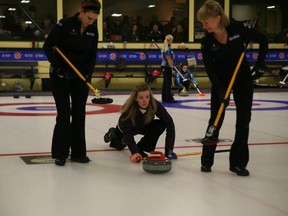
{"points": [[138, 117]]}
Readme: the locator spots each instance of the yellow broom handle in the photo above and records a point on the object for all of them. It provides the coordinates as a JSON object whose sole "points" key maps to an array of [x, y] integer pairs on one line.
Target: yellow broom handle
{"points": [[96, 92], [229, 89]]}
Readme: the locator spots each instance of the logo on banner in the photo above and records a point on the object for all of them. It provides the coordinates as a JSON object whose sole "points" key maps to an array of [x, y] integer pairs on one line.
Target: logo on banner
{"points": [[281, 55], [199, 56], [255, 56], [113, 56], [142, 56], [17, 55]]}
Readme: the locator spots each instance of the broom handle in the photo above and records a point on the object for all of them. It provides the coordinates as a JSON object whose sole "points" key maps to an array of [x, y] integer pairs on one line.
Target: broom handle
{"points": [[96, 92]]}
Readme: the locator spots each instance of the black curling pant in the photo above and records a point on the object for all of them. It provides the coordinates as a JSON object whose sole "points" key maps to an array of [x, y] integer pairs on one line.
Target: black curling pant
{"points": [[167, 83], [243, 98], [69, 132], [148, 142]]}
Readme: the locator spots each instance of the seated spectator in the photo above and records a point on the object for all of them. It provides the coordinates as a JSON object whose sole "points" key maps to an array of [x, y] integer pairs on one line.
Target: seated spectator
{"points": [[179, 34], [134, 34], [155, 34], [125, 27], [170, 26]]}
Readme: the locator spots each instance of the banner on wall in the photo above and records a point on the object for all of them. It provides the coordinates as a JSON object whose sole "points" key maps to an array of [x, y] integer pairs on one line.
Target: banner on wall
{"points": [[133, 56]]}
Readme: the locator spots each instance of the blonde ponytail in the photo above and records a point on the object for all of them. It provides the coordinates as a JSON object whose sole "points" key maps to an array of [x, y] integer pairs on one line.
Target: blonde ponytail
{"points": [[166, 44]]}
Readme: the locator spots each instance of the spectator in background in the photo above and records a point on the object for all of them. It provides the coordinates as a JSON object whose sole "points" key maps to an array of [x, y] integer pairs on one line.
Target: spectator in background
{"points": [[142, 28], [125, 27], [155, 34], [134, 34], [179, 34], [170, 26], [155, 20], [47, 25], [106, 32], [112, 25]]}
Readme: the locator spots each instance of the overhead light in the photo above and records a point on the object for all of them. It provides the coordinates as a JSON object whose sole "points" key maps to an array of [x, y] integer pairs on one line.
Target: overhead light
{"points": [[28, 22], [151, 6], [2, 17], [116, 15], [11, 9], [25, 1], [271, 7]]}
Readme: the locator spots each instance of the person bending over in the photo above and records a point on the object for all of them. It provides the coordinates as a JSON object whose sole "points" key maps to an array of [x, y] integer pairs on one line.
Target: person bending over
{"points": [[221, 49]]}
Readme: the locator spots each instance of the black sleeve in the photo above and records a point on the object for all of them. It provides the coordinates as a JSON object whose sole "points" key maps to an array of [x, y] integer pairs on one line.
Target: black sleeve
{"points": [[50, 42], [93, 51], [163, 115]]}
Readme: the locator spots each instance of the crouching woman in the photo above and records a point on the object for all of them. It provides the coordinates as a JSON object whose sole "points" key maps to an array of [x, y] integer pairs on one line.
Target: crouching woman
{"points": [[138, 118]]}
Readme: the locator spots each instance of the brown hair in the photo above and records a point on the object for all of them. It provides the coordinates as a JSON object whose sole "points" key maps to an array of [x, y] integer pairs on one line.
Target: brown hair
{"points": [[212, 8], [91, 5], [131, 108]]}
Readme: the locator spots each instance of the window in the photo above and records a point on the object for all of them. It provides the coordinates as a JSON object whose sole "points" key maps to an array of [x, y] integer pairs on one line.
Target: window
{"points": [[138, 21], [273, 20], [15, 25]]}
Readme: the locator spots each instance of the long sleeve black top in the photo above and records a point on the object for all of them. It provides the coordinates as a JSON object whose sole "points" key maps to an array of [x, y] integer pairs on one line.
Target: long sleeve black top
{"points": [[79, 48], [220, 60], [129, 130]]}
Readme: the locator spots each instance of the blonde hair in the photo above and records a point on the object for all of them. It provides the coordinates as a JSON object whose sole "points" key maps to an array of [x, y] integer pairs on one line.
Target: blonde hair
{"points": [[166, 44], [131, 107], [212, 8]]}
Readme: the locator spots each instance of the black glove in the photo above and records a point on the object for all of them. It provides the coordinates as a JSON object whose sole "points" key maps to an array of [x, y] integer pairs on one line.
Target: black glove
{"points": [[58, 71], [221, 96], [170, 154], [258, 71]]}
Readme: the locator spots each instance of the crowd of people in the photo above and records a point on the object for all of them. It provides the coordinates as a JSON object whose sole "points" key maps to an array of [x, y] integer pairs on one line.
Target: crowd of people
{"points": [[137, 30]]}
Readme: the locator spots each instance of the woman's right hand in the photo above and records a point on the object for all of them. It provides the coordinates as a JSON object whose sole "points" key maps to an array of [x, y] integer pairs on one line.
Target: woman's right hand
{"points": [[136, 158]]}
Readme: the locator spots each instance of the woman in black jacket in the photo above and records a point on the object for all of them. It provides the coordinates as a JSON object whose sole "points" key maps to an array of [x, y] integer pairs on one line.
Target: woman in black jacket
{"points": [[221, 49], [77, 38], [138, 117]]}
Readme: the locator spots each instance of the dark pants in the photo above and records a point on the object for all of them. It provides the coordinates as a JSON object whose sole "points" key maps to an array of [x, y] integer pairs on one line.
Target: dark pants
{"points": [[186, 84], [239, 153], [69, 131], [148, 142], [167, 83]]}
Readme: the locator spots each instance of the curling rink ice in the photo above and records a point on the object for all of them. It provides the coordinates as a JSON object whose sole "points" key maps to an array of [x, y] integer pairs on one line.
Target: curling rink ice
{"points": [[31, 184]]}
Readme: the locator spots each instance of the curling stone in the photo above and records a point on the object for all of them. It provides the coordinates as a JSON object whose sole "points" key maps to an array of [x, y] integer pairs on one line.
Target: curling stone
{"points": [[157, 164], [184, 93]]}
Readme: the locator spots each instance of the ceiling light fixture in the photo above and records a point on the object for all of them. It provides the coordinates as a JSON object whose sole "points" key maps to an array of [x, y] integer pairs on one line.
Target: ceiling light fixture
{"points": [[151, 6], [271, 7], [116, 15]]}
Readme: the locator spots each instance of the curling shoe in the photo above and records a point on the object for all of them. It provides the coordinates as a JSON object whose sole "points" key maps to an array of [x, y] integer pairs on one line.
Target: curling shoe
{"points": [[60, 161], [209, 141], [84, 159], [205, 168], [241, 171], [109, 135]]}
